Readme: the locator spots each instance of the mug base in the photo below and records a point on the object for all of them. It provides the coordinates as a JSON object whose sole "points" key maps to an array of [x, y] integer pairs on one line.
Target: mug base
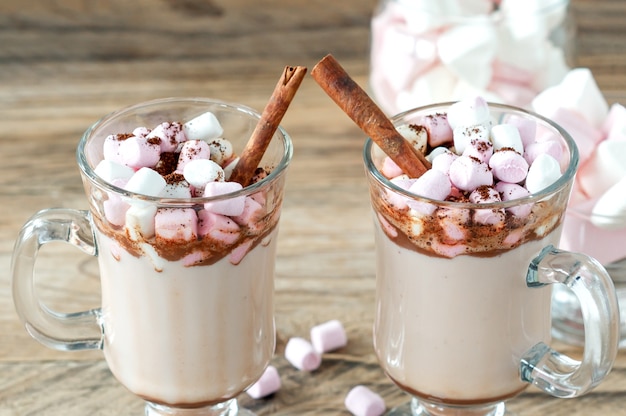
{"points": [[418, 407], [228, 408]]}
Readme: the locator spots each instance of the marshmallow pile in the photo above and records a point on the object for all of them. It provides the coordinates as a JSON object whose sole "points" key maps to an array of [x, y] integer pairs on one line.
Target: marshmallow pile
{"points": [[577, 104], [306, 355], [596, 217], [177, 160], [427, 51], [475, 160]]}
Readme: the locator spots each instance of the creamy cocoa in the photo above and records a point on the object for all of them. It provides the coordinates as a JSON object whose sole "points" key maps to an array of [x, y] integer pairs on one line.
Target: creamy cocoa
{"points": [[167, 339]]}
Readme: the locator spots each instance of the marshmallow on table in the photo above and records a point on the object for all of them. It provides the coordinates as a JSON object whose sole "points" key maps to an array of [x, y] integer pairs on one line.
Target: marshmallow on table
{"points": [[614, 127], [361, 401], [610, 210], [203, 127], [301, 354], [328, 336], [269, 383]]}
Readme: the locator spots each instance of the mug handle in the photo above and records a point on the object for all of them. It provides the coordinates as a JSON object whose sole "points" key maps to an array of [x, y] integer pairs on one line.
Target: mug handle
{"points": [[61, 331], [556, 373]]}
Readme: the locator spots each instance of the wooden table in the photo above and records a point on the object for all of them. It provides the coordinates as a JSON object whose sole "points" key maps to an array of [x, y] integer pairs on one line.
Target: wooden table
{"points": [[63, 64]]}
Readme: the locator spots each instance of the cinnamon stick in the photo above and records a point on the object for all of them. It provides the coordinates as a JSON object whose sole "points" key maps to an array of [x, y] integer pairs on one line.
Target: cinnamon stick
{"points": [[271, 116], [355, 102]]}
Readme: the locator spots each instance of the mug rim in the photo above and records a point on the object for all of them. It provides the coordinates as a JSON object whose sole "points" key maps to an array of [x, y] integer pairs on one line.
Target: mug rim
{"points": [[89, 172], [562, 182]]}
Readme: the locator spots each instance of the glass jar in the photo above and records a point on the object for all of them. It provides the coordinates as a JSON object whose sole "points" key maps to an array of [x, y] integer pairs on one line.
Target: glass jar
{"points": [[507, 51]]}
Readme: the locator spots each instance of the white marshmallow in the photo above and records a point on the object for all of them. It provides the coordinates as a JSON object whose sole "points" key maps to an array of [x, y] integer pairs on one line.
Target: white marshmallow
{"points": [[463, 136], [221, 150], [577, 91], [417, 136], [435, 85], [147, 182], [467, 50], [140, 221], [203, 127], [199, 172], [610, 210], [506, 135], [177, 190], [469, 112], [544, 171], [110, 171]]}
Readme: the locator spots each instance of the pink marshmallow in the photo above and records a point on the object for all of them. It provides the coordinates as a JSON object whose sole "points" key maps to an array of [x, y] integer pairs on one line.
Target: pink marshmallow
{"points": [[452, 221], [176, 224], [301, 354], [361, 401], [394, 198], [550, 147], [614, 127], [228, 206], [468, 173], [218, 227], [432, 184], [251, 215], [111, 147], [239, 252], [439, 130], [171, 135], [115, 210], [582, 131], [511, 191], [328, 336], [269, 383], [508, 166], [139, 152], [485, 195], [511, 74], [390, 169], [190, 150]]}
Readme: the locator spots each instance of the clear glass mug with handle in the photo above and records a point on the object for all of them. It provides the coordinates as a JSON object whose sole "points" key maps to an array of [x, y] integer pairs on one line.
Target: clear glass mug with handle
{"points": [[462, 310], [186, 320]]}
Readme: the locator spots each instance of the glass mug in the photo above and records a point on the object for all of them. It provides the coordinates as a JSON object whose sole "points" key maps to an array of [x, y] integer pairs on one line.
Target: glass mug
{"points": [[187, 326], [603, 237], [462, 333]]}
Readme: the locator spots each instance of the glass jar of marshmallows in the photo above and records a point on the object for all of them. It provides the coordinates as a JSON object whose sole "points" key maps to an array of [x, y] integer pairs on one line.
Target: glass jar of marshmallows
{"points": [[507, 51]]}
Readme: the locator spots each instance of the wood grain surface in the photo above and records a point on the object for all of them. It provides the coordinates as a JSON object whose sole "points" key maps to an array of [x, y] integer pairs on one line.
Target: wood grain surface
{"points": [[66, 63]]}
